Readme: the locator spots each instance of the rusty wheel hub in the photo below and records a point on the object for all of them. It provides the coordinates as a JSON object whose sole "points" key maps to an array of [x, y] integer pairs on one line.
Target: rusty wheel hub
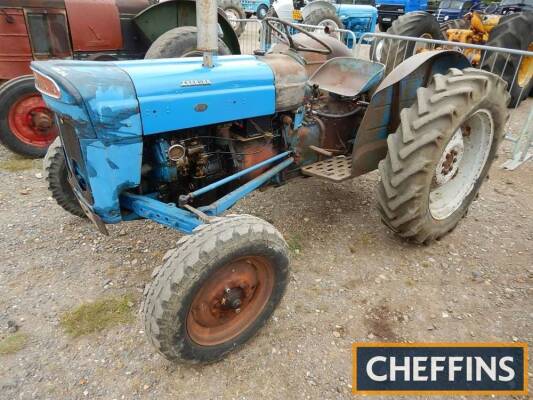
{"points": [[461, 164], [230, 300], [40, 120], [450, 159]]}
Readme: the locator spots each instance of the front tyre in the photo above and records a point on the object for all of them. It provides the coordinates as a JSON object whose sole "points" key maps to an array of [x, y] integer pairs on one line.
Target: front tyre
{"points": [[441, 153], [56, 176], [216, 290]]}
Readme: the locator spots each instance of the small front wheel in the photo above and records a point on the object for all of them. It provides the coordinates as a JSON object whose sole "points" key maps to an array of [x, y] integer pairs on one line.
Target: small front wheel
{"points": [[56, 176], [216, 289]]}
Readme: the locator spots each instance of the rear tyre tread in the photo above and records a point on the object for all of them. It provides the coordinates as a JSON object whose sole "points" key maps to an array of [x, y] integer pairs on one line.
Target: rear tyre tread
{"points": [[177, 42], [512, 32], [413, 24], [408, 169], [55, 175]]}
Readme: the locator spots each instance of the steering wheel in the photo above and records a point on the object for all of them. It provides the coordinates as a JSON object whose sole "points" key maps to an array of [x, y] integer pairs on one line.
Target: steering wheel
{"points": [[286, 34]]}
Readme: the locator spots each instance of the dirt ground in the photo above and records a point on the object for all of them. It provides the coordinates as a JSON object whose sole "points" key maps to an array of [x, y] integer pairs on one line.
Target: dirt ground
{"points": [[351, 280]]}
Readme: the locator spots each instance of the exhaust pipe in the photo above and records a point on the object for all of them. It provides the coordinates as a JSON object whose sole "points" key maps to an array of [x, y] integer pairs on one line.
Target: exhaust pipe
{"points": [[207, 28]]}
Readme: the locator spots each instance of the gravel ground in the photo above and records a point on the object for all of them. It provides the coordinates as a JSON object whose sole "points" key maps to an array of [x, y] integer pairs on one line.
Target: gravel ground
{"points": [[351, 280]]}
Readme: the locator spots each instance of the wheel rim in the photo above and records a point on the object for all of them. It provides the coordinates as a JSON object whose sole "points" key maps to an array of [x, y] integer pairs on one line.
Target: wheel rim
{"points": [[233, 15], [332, 25], [461, 164], [192, 53], [525, 72], [378, 51], [230, 300], [261, 13], [32, 122]]}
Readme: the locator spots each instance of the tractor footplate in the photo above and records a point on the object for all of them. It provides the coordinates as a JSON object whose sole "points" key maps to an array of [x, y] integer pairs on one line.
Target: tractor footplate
{"points": [[334, 169]]}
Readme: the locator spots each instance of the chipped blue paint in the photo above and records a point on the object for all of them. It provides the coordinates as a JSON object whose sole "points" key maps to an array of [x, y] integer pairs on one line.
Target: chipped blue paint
{"points": [[111, 106], [98, 102]]}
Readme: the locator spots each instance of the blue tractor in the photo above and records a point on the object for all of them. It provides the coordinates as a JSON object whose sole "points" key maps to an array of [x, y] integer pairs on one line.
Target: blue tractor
{"points": [[390, 10], [180, 141], [456, 9], [258, 7], [356, 16]]}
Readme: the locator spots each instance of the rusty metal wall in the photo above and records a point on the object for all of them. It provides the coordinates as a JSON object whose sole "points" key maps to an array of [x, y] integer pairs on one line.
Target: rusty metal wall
{"points": [[15, 49]]}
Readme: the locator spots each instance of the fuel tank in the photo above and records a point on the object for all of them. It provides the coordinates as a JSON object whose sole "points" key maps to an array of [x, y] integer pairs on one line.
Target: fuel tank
{"points": [[290, 77]]}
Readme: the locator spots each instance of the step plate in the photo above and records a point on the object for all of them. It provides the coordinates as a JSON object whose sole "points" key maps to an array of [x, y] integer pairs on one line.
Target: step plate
{"points": [[334, 169]]}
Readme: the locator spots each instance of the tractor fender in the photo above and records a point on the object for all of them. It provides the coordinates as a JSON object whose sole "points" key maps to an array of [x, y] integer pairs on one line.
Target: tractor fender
{"points": [[396, 92], [159, 18], [322, 4]]}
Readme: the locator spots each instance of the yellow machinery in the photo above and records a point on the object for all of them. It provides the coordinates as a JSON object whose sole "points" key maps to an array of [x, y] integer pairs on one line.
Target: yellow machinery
{"points": [[509, 32], [478, 33]]}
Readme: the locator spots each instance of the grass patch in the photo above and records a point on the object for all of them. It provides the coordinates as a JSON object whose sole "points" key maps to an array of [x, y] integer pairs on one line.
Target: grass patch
{"points": [[13, 343], [295, 244], [18, 163], [98, 315]]}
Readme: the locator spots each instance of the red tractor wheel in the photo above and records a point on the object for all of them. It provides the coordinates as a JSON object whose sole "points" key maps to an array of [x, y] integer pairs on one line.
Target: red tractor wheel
{"points": [[27, 125]]}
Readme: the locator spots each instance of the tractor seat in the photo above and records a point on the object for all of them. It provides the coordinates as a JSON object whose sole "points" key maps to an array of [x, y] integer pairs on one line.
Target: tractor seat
{"points": [[347, 76]]}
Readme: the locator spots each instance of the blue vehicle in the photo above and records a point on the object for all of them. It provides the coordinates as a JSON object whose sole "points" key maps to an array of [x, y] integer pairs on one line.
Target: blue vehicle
{"points": [[258, 7], [390, 10], [180, 141], [356, 16], [456, 9]]}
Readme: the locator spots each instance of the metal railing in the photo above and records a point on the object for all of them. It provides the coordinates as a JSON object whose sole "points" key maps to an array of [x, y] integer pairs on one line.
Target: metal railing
{"points": [[254, 37]]}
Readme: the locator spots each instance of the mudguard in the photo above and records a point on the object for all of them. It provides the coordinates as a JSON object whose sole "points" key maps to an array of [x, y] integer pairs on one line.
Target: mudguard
{"points": [[396, 92], [160, 18]]}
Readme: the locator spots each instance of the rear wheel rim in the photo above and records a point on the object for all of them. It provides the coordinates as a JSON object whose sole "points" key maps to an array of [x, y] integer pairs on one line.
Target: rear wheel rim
{"points": [[32, 122], [230, 300], [461, 164], [233, 16], [332, 25]]}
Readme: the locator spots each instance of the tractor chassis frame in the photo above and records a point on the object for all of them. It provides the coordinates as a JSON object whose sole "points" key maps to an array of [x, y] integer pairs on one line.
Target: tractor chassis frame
{"points": [[184, 217]]}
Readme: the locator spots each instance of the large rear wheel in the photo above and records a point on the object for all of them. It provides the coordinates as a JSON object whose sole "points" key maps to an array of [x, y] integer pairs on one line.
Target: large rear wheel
{"points": [[454, 24], [441, 153], [513, 32], [27, 125], [180, 42], [419, 24], [234, 11], [326, 18], [216, 289]]}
